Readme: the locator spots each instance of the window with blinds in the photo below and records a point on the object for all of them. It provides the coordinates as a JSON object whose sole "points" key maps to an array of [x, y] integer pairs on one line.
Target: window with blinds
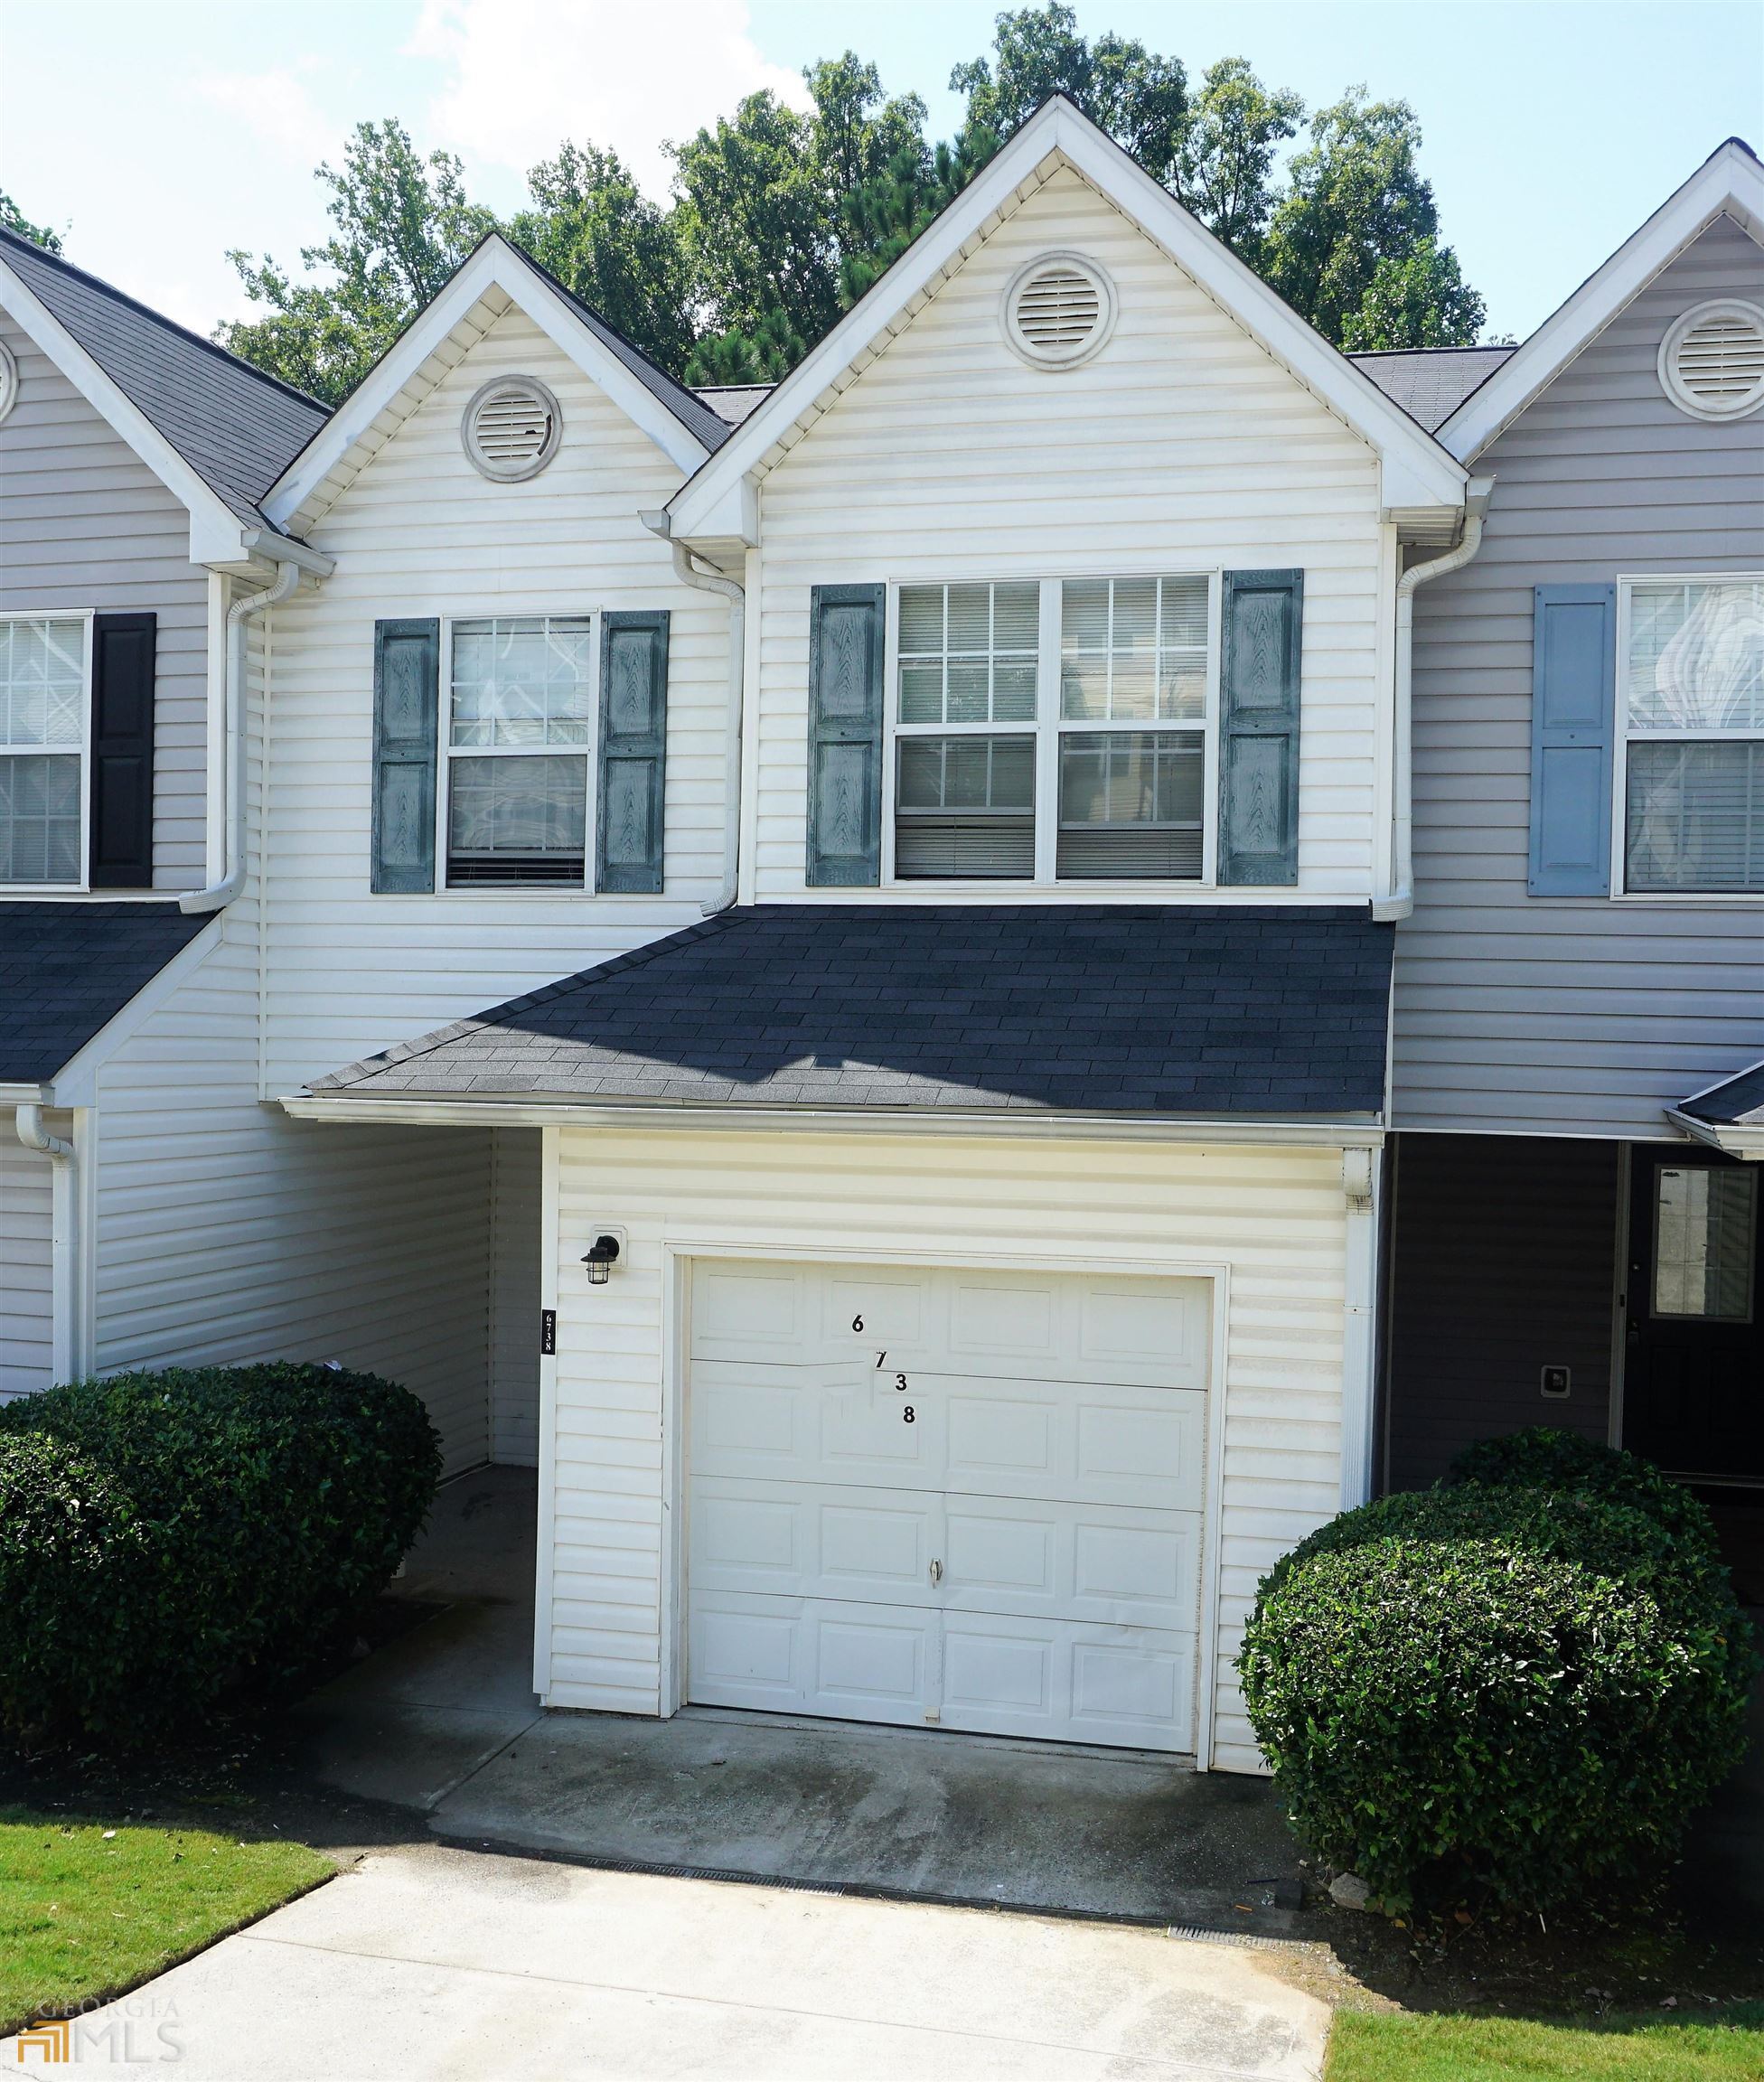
{"points": [[43, 707], [1692, 687], [518, 732], [1083, 759], [965, 748]]}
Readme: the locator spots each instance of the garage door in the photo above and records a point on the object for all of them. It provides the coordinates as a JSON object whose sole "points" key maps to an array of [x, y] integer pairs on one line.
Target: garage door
{"points": [[965, 1498]]}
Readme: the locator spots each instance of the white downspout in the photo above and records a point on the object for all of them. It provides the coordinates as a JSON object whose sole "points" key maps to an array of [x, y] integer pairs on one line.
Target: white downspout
{"points": [[1400, 901], [1359, 1353], [688, 573], [219, 895], [63, 1256]]}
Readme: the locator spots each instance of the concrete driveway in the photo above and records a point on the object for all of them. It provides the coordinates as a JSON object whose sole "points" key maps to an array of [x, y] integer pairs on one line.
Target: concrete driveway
{"points": [[426, 1962]]}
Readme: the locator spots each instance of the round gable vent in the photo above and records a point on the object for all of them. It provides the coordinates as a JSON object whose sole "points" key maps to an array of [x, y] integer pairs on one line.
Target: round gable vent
{"points": [[1711, 362], [8, 380], [1059, 310], [511, 429]]}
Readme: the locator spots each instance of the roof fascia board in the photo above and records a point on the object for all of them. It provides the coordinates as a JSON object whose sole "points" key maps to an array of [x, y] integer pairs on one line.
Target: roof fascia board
{"points": [[496, 265], [1731, 184], [1058, 130], [216, 531], [1331, 1133], [1731, 1139]]}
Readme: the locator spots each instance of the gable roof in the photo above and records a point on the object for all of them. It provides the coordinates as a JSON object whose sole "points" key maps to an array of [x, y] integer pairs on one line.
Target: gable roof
{"points": [[235, 427], [493, 279], [1729, 1116], [1730, 183], [67, 970], [1113, 1009], [1419, 475], [1430, 383]]}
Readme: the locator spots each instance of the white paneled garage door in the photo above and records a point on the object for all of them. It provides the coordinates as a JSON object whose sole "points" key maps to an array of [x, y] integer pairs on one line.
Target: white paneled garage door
{"points": [[966, 1498]]}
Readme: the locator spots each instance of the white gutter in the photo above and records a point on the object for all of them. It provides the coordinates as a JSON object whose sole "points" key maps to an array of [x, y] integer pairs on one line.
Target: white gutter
{"points": [[64, 1256], [1401, 900], [1740, 1138], [219, 895], [690, 574]]}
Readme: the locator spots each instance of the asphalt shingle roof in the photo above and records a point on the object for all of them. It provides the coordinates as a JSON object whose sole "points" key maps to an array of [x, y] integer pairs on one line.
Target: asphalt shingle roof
{"points": [[238, 428], [67, 970], [1738, 1104], [1430, 383], [1141, 1009]]}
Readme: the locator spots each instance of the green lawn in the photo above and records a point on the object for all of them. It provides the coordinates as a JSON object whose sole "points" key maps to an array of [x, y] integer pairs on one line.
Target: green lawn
{"points": [[87, 1910], [1427, 2049]]}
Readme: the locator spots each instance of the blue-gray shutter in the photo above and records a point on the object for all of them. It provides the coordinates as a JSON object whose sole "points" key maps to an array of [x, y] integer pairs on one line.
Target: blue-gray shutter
{"points": [[407, 708], [1259, 673], [1573, 696], [634, 752], [845, 736]]}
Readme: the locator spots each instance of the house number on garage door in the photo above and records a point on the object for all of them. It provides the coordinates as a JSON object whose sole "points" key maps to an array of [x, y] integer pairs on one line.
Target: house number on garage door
{"points": [[907, 1415]]}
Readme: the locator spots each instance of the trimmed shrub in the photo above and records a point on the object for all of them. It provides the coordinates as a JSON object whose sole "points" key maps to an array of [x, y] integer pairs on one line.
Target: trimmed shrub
{"points": [[1543, 1457], [1487, 1693], [168, 1539]]}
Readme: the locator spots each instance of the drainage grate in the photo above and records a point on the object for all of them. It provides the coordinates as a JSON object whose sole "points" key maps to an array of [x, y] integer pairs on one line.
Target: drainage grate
{"points": [[1198, 1936]]}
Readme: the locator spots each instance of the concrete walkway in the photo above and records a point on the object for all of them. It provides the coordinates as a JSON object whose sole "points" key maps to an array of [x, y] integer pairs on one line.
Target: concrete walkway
{"points": [[442, 1719], [429, 1963]]}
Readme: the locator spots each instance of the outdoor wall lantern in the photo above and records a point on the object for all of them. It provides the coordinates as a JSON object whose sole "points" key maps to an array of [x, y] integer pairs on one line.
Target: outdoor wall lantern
{"points": [[601, 1259]]}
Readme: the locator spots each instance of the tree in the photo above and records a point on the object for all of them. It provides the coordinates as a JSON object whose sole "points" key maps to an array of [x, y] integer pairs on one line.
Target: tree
{"points": [[606, 242], [1139, 98], [14, 220], [1421, 302], [1225, 157], [403, 225], [1355, 235], [888, 212]]}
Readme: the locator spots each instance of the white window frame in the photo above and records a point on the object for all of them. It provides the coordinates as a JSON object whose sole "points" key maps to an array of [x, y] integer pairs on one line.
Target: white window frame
{"points": [[1622, 735], [1046, 730], [82, 885], [447, 751]]}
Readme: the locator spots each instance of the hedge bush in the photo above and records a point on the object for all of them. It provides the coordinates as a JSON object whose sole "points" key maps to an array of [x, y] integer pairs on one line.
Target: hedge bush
{"points": [[167, 1539], [1483, 1693], [1543, 1457]]}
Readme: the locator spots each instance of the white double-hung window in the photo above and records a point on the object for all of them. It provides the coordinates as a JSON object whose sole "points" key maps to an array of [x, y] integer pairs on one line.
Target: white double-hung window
{"points": [[518, 711], [1055, 730], [1691, 716], [45, 665]]}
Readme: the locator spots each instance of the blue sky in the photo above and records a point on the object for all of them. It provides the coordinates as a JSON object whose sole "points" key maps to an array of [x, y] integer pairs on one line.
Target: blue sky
{"points": [[1552, 126]]}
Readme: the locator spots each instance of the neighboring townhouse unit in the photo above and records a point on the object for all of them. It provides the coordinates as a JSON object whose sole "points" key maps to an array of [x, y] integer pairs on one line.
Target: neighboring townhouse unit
{"points": [[1580, 991]]}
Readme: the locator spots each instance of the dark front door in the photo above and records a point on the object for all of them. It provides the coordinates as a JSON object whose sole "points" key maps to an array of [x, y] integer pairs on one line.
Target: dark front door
{"points": [[1693, 1368]]}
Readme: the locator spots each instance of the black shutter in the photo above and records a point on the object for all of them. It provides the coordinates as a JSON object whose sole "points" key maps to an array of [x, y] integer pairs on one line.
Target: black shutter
{"points": [[406, 696], [121, 853], [634, 752], [1259, 674], [845, 736]]}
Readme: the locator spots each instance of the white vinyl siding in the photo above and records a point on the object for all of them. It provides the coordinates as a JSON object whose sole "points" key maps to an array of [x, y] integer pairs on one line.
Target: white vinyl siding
{"points": [[85, 526], [1274, 1220], [26, 1310], [1182, 447], [1570, 1016], [419, 532], [514, 1298]]}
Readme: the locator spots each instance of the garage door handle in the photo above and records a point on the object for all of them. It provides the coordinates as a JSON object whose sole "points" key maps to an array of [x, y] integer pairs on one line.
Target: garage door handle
{"points": [[936, 1571]]}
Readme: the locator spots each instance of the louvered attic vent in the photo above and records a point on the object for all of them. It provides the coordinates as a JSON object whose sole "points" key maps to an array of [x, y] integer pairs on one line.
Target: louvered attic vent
{"points": [[1059, 310], [1711, 362], [511, 429]]}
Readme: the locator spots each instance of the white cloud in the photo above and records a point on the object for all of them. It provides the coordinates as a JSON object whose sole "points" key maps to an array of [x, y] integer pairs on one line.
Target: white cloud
{"points": [[525, 74], [278, 110]]}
